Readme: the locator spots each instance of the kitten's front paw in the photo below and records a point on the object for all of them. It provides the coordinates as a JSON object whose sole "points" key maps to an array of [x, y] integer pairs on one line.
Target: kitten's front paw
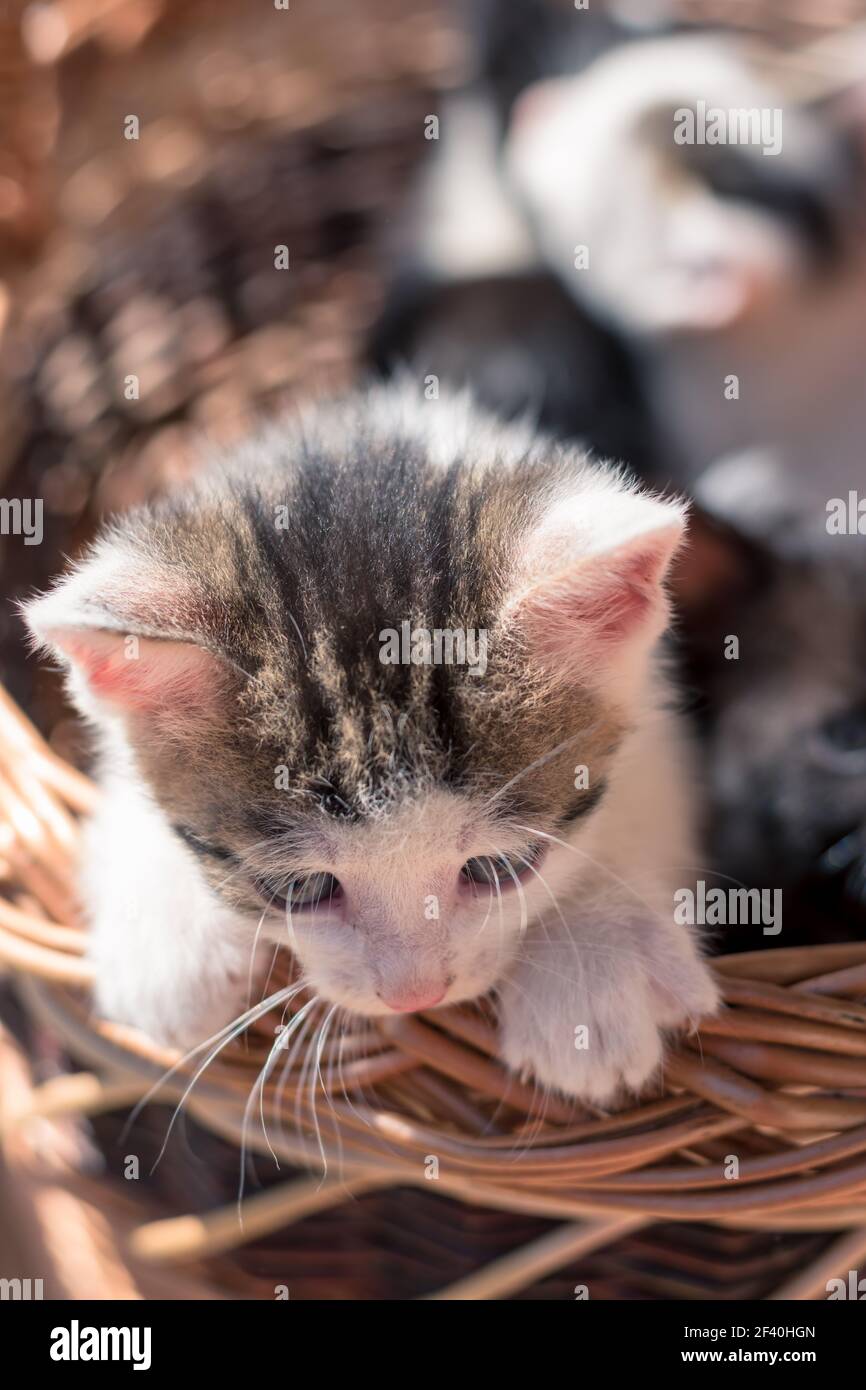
{"points": [[590, 1052], [683, 991], [599, 1035]]}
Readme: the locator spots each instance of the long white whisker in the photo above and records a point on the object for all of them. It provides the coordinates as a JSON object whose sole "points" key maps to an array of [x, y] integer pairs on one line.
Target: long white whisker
{"points": [[286, 1073], [284, 1033], [595, 862], [280, 1043], [301, 1091], [539, 762], [222, 1037], [259, 924], [317, 1076], [259, 1086]]}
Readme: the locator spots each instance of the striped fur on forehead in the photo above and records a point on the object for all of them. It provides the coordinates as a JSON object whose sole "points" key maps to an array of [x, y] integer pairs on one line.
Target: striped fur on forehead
{"points": [[291, 557], [511, 741]]}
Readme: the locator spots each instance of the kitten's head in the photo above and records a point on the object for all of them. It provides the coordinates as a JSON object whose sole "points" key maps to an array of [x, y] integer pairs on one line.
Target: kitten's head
{"points": [[701, 194], [253, 652]]}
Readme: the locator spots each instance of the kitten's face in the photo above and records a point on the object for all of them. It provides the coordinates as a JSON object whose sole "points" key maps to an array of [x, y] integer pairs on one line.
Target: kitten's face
{"points": [[402, 848], [422, 906], [395, 822], [690, 236]]}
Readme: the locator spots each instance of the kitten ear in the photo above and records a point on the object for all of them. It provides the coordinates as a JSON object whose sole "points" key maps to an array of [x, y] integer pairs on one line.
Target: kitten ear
{"points": [[591, 590], [141, 675], [101, 627]]}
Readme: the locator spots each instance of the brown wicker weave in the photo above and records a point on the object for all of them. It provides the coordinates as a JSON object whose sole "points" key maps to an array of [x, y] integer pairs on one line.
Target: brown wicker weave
{"points": [[777, 1080]]}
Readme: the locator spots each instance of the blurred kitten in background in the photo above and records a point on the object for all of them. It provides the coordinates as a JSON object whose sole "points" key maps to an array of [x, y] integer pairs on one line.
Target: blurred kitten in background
{"points": [[706, 263], [736, 271], [773, 632]]}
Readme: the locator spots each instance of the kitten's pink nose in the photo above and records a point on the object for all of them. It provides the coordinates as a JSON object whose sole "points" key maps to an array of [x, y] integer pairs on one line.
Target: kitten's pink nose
{"points": [[411, 1001]]}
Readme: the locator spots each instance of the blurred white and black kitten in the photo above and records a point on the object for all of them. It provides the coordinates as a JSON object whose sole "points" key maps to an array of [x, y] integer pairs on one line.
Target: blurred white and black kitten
{"points": [[737, 274], [705, 262], [733, 266], [417, 833]]}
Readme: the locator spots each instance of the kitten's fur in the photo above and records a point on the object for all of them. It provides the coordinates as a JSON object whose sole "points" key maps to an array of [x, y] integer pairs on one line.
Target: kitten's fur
{"points": [[258, 649]]}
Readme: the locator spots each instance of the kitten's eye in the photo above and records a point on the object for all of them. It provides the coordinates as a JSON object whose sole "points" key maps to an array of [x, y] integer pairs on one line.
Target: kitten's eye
{"points": [[305, 891], [501, 869]]}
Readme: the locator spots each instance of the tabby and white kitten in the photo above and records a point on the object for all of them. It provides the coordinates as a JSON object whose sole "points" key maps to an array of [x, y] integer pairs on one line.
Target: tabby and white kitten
{"points": [[416, 833]]}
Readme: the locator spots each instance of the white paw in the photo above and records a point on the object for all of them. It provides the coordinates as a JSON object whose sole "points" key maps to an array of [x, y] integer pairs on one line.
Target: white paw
{"points": [[589, 1050], [683, 988], [598, 1034]]}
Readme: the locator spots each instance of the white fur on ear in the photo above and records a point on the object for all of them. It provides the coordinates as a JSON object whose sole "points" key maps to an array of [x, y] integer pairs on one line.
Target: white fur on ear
{"points": [[591, 587], [103, 623]]}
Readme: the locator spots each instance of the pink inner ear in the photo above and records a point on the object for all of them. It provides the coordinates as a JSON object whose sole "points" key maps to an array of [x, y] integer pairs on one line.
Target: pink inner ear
{"points": [[141, 674], [599, 618], [623, 601], [598, 604]]}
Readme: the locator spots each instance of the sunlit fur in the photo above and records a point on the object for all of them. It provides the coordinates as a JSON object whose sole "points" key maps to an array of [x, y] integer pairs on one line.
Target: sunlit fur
{"points": [[258, 736]]}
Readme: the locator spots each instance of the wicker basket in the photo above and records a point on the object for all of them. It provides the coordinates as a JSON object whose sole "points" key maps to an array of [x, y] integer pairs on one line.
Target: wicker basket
{"points": [[777, 1082]]}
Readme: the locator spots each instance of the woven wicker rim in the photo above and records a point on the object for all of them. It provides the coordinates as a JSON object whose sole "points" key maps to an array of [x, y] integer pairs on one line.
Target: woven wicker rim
{"points": [[777, 1080]]}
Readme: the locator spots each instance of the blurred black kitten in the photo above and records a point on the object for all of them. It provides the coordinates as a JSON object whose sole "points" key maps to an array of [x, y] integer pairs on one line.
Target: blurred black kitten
{"points": [[525, 349], [783, 705], [471, 304]]}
